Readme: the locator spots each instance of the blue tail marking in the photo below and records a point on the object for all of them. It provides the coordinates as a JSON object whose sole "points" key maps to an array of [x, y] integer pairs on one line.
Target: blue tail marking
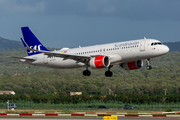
{"points": [[31, 40]]}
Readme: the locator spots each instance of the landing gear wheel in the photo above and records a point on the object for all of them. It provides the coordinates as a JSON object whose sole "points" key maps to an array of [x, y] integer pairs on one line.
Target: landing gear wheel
{"points": [[86, 73], [149, 67], [108, 74]]}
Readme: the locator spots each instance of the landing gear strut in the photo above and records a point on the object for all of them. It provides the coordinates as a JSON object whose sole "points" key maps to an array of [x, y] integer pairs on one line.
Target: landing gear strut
{"points": [[86, 72], [149, 67], [109, 73]]}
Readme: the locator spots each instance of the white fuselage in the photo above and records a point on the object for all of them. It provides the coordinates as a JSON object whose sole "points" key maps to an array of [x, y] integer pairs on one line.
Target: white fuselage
{"points": [[118, 52]]}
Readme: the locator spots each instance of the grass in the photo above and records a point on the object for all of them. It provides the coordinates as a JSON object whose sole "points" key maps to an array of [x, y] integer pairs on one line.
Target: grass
{"points": [[65, 111], [114, 106], [70, 111]]}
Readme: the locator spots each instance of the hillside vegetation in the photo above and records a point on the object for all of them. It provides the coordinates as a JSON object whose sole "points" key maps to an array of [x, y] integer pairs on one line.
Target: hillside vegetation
{"points": [[23, 78], [10, 44]]}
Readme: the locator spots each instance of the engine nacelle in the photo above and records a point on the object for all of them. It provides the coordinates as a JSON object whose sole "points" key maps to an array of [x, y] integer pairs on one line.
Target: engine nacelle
{"points": [[99, 62], [132, 65]]}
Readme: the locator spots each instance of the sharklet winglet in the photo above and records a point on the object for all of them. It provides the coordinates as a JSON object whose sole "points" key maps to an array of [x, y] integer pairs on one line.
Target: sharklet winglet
{"points": [[25, 43]]}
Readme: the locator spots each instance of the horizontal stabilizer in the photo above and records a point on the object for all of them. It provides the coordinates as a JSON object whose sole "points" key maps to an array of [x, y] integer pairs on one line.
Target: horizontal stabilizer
{"points": [[33, 59]]}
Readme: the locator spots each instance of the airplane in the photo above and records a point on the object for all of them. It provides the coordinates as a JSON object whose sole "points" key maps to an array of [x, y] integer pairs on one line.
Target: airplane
{"points": [[128, 55]]}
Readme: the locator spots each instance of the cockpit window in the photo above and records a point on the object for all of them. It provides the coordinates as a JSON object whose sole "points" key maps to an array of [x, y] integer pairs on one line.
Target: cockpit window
{"points": [[156, 43]]}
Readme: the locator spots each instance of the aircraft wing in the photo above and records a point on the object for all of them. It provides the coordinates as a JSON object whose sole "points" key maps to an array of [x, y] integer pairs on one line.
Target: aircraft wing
{"points": [[69, 56], [80, 58]]}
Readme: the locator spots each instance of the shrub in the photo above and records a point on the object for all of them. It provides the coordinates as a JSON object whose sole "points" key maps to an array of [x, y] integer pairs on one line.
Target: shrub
{"points": [[169, 110]]}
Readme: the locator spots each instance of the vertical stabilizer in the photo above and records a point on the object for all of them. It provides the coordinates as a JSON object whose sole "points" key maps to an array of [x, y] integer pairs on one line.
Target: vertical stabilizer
{"points": [[31, 40]]}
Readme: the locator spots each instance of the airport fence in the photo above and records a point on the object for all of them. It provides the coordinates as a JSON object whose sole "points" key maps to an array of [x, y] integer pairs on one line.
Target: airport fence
{"points": [[91, 105]]}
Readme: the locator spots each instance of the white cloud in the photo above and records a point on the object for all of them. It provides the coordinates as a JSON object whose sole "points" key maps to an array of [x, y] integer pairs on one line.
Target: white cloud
{"points": [[125, 9], [2, 1], [100, 6], [39, 7], [16, 7]]}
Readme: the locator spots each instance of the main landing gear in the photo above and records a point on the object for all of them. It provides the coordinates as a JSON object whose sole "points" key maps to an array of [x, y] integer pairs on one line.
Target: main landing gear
{"points": [[86, 72], [149, 67], [109, 73]]}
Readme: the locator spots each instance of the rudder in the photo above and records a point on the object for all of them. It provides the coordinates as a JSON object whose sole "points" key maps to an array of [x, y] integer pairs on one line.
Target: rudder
{"points": [[31, 40]]}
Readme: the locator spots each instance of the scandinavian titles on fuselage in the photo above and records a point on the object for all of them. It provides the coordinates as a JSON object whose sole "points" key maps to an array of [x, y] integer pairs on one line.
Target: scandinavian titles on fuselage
{"points": [[126, 44]]}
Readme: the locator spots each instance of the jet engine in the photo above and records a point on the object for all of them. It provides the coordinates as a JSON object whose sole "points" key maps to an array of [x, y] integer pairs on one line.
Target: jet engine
{"points": [[99, 62], [132, 65]]}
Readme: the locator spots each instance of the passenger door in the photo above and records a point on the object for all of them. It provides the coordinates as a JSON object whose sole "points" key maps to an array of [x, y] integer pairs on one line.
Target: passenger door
{"points": [[45, 59], [142, 45]]}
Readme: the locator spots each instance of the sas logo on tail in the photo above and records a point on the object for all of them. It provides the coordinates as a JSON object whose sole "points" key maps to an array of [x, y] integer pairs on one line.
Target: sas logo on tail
{"points": [[36, 47]]}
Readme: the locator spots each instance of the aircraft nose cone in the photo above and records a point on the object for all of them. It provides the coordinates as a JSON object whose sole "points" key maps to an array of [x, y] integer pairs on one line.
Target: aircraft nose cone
{"points": [[166, 49]]}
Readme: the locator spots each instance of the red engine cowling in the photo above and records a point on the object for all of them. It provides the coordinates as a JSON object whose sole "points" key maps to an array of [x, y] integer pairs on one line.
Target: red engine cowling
{"points": [[99, 62], [132, 65]]}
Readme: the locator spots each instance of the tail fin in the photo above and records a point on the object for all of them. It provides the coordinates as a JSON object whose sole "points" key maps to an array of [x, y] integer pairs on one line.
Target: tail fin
{"points": [[31, 40]]}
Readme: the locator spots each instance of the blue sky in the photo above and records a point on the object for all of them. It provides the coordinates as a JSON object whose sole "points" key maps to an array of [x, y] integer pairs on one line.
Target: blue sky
{"points": [[70, 23]]}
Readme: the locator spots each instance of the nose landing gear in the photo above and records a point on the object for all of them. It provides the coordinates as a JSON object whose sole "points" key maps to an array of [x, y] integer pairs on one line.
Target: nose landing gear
{"points": [[149, 67]]}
